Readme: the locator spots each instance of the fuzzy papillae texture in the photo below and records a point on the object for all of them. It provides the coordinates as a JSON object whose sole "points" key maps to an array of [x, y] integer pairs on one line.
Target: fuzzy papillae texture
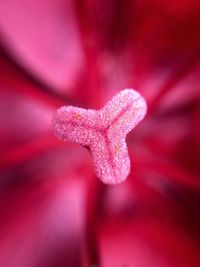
{"points": [[104, 132]]}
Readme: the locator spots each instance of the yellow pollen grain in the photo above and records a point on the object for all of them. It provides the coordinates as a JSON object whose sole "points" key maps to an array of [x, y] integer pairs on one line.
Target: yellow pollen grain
{"points": [[116, 149], [137, 105], [77, 116]]}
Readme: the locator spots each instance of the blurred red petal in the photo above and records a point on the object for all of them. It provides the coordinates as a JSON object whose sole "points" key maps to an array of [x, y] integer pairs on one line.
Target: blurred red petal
{"points": [[43, 212], [43, 36], [146, 244]]}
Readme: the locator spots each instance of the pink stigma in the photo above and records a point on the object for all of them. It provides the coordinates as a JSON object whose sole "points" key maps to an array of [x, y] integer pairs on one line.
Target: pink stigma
{"points": [[104, 132]]}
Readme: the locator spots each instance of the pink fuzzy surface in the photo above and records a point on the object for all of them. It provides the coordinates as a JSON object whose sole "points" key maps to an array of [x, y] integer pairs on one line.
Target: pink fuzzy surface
{"points": [[104, 132]]}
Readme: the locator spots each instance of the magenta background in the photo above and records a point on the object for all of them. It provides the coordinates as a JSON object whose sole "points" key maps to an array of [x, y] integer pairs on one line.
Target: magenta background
{"points": [[54, 212]]}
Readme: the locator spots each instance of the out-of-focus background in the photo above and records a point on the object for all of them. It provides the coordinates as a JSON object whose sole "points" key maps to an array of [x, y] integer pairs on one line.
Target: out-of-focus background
{"points": [[54, 212]]}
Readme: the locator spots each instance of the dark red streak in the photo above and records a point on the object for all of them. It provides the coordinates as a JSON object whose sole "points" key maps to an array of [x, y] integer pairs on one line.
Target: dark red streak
{"points": [[104, 131]]}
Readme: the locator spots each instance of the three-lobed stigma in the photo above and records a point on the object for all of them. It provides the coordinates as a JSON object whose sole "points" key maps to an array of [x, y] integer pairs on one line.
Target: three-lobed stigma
{"points": [[104, 132]]}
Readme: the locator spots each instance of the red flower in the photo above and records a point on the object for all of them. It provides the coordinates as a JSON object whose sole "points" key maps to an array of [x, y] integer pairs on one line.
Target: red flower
{"points": [[53, 210]]}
